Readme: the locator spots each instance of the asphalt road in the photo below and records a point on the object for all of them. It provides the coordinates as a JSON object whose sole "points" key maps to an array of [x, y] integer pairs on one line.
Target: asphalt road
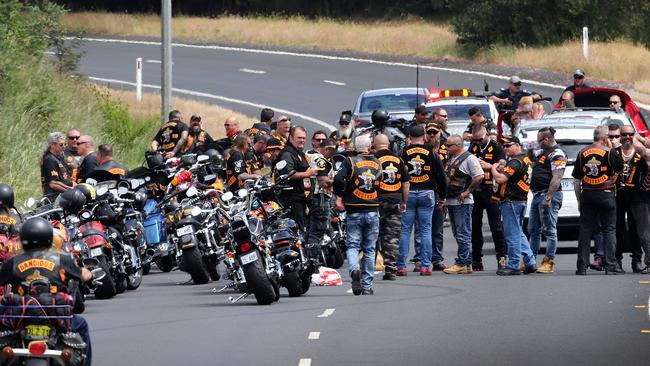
{"points": [[478, 319], [482, 319]]}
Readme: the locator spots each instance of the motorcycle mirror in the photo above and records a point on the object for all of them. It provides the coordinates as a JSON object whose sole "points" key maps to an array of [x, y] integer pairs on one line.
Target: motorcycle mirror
{"points": [[242, 193], [227, 196], [30, 202], [202, 158], [102, 190], [91, 181], [281, 164], [196, 211], [192, 191]]}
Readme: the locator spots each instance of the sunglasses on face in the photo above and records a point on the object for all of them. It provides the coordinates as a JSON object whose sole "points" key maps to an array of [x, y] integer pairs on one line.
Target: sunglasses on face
{"points": [[433, 132], [81, 143], [627, 134], [62, 145], [614, 102], [74, 137], [319, 140], [611, 137], [508, 145]]}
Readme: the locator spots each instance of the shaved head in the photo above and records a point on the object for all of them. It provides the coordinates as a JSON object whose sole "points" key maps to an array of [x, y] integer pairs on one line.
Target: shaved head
{"points": [[381, 142], [479, 132]]}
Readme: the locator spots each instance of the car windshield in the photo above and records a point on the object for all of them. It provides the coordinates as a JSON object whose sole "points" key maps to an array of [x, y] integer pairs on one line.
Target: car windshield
{"points": [[390, 102], [459, 111]]}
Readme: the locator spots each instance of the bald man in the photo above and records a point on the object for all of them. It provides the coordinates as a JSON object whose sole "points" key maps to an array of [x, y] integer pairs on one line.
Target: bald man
{"points": [[231, 125], [393, 193]]}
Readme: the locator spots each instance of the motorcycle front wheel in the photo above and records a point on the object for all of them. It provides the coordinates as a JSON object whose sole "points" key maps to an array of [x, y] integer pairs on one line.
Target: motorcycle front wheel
{"points": [[134, 280], [166, 263], [293, 283], [194, 265], [107, 289]]}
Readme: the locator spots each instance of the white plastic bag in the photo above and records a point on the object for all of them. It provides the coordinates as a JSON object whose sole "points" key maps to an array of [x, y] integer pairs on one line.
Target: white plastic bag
{"points": [[326, 277]]}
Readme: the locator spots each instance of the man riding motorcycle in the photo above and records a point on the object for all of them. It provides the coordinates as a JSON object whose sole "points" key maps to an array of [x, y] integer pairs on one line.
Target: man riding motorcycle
{"points": [[37, 261]]}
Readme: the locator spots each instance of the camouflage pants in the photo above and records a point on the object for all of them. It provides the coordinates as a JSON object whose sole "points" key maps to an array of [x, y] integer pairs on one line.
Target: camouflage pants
{"points": [[390, 229]]}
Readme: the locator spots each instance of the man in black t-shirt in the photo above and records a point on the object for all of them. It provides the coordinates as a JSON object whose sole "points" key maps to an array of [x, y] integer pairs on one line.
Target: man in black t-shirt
{"points": [[477, 119], [514, 176], [237, 170], [55, 176], [172, 136]]}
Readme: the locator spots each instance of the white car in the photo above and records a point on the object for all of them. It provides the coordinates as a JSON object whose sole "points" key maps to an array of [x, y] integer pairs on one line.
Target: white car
{"points": [[574, 131], [400, 103]]}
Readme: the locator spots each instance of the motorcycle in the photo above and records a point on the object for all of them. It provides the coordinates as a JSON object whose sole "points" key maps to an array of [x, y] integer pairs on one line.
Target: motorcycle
{"points": [[333, 245]]}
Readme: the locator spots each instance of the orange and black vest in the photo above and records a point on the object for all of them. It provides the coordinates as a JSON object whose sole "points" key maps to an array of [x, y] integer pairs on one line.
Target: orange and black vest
{"points": [[363, 182], [392, 168], [234, 162], [417, 159], [595, 164], [518, 185], [491, 154], [633, 170], [457, 180], [443, 154]]}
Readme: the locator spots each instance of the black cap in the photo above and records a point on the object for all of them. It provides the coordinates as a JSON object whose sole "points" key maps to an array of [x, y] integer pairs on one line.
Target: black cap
{"points": [[345, 119], [416, 131], [274, 144], [195, 117], [510, 139]]}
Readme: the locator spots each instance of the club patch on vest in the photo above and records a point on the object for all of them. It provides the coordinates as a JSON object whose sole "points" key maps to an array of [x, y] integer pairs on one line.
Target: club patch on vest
{"points": [[36, 263]]}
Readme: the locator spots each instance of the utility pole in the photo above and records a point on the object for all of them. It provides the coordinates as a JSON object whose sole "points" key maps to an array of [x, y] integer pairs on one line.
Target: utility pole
{"points": [[166, 69]]}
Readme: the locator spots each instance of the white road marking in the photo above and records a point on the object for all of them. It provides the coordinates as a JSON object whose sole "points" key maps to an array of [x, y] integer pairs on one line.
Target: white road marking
{"points": [[222, 98], [305, 362], [328, 57], [314, 335], [251, 71], [327, 313], [334, 82], [153, 61]]}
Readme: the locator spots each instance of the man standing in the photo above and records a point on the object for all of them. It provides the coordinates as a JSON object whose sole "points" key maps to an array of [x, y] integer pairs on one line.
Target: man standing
{"points": [[172, 136], [297, 198], [264, 126], [106, 162], [197, 137], [434, 136], [426, 174], [578, 81], [345, 132], [72, 158], [393, 194], [631, 202], [514, 176], [237, 171], [513, 94], [316, 139], [421, 115], [321, 202], [55, 177], [477, 120], [489, 152], [441, 117], [356, 185], [594, 176], [86, 147], [464, 175], [549, 164]]}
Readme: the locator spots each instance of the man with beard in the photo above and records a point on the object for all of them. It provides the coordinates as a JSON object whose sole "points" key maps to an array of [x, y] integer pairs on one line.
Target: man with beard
{"points": [[72, 159], [345, 132], [254, 156], [434, 135], [55, 176], [631, 202], [440, 117], [197, 137], [272, 153], [316, 139], [297, 198]]}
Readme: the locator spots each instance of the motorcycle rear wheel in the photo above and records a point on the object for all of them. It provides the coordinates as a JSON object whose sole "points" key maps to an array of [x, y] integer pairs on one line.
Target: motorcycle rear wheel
{"points": [[293, 283], [194, 266], [166, 263], [107, 289], [120, 284], [259, 283], [214, 271]]}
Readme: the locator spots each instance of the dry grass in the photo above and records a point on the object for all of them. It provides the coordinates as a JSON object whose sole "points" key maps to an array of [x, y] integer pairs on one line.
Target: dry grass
{"points": [[211, 115], [621, 61]]}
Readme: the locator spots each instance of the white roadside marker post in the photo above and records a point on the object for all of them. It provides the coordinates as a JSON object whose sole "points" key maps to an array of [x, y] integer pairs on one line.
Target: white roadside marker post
{"points": [[585, 43], [138, 79]]}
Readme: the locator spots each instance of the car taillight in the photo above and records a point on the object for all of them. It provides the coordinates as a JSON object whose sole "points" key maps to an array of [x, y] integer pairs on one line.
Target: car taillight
{"points": [[37, 348], [244, 247]]}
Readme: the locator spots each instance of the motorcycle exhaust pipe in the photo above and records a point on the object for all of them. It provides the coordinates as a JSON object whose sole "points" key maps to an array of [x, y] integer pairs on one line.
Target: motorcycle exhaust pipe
{"points": [[150, 252]]}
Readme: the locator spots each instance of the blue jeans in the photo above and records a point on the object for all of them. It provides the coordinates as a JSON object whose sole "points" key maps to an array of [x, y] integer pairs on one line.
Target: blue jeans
{"points": [[363, 229], [419, 207], [460, 218], [543, 220], [512, 215], [80, 326]]}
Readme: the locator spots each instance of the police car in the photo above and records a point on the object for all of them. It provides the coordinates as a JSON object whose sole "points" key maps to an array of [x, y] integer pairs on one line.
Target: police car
{"points": [[457, 102], [400, 103], [574, 131]]}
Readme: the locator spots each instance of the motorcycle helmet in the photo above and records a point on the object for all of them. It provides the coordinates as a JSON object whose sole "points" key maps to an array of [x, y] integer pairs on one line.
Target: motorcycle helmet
{"points": [[6, 195], [380, 118], [72, 200], [155, 160], [87, 190], [36, 233], [214, 155]]}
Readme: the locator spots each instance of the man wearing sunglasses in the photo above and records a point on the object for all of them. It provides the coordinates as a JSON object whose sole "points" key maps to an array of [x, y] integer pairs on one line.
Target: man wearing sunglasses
{"points": [[514, 178], [578, 81], [631, 202], [595, 171], [55, 176], [71, 155], [316, 140], [86, 147], [441, 118], [434, 136], [489, 152], [511, 96]]}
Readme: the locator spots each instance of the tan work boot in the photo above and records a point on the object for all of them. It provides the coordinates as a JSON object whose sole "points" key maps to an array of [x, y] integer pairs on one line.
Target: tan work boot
{"points": [[457, 269], [547, 266], [522, 267]]}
